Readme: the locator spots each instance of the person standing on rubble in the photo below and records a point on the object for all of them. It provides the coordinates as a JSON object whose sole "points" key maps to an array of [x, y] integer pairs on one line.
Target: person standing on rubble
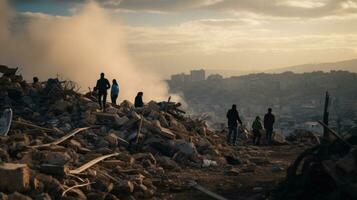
{"points": [[102, 86], [139, 100], [257, 128], [36, 84], [114, 92], [269, 120], [233, 119]]}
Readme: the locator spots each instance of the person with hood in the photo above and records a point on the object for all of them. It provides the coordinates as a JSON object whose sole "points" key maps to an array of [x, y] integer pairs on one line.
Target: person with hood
{"points": [[139, 100], [114, 92], [233, 119], [257, 128], [102, 86]]}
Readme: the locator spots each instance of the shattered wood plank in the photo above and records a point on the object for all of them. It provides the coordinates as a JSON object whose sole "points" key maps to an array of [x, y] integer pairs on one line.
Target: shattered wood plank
{"points": [[33, 126], [139, 129], [335, 134], [75, 186], [64, 138], [91, 163], [204, 190]]}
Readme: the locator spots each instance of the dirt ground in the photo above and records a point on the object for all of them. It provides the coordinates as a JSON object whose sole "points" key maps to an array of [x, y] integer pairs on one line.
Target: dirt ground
{"points": [[249, 185]]}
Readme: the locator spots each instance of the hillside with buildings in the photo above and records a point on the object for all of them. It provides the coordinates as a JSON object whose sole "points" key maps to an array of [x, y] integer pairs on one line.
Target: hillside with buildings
{"points": [[296, 99]]}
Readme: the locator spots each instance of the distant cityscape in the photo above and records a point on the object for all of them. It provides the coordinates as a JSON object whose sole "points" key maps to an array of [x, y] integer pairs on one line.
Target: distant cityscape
{"points": [[297, 99], [195, 75]]}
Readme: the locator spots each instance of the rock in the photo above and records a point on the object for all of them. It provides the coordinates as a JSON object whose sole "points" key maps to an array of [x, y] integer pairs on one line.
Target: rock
{"points": [[209, 163], [111, 197], [102, 143], [14, 177], [233, 160], [167, 163], [57, 158], [186, 148], [61, 106], [57, 170], [18, 196], [112, 119], [123, 187], [122, 120], [233, 172], [347, 164], [149, 156], [259, 160], [96, 196], [276, 168], [112, 139], [43, 196], [102, 185]]}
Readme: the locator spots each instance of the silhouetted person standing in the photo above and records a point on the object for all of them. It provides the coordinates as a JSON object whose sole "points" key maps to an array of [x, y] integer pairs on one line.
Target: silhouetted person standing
{"points": [[257, 127], [139, 100], [233, 119], [114, 92], [269, 120], [102, 86], [36, 84]]}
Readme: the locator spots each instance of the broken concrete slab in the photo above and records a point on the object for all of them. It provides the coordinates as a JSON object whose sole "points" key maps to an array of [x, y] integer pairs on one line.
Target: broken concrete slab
{"points": [[14, 177]]}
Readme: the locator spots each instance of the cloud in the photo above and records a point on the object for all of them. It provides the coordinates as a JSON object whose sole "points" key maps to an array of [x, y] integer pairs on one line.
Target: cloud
{"points": [[276, 8]]}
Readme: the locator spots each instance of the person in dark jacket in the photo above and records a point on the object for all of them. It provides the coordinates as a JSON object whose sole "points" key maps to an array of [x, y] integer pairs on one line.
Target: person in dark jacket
{"points": [[102, 86], [114, 92], [139, 100], [257, 128], [233, 119], [269, 120]]}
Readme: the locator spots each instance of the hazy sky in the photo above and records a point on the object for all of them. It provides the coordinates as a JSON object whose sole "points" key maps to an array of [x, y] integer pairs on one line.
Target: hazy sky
{"points": [[177, 35]]}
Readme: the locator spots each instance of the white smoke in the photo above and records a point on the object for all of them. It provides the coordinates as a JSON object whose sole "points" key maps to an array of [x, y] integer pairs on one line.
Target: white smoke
{"points": [[77, 47]]}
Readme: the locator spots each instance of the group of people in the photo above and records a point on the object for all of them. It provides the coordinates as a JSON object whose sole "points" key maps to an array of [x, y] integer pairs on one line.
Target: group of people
{"points": [[234, 119], [102, 87]]}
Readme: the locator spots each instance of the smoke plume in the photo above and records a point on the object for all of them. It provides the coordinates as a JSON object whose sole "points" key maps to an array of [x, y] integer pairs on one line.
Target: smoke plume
{"points": [[77, 47]]}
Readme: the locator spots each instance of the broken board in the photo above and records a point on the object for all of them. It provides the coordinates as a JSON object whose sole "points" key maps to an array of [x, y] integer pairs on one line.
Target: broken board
{"points": [[5, 121]]}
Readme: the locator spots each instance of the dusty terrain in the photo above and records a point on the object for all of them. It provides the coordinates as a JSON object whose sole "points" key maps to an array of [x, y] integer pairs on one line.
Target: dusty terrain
{"points": [[249, 185]]}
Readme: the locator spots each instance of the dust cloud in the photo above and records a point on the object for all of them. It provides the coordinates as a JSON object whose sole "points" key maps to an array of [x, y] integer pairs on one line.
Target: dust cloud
{"points": [[76, 47]]}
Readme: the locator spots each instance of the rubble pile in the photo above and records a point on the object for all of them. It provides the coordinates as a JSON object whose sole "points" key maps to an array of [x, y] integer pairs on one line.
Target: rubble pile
{"points": [[60, 146], [325, 171], [301, 136]]}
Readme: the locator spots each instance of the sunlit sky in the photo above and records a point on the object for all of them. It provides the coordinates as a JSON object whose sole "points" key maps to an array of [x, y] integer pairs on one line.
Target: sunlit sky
{"points": [[177, 35]]}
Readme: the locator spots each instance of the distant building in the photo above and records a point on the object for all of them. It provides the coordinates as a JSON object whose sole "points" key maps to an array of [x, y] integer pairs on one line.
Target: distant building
{"points": [[195, 75], [178, 77], [215, 77], [198, 75]]}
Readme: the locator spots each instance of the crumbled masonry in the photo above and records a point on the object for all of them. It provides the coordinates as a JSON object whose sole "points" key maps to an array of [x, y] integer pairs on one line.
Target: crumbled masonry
{"points": [[60, 146]]}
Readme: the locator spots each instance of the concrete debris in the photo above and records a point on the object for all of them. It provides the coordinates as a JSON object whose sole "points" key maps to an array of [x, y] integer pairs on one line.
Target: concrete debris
{"points": [[324, 171], [14, 177], [69, 150]]}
